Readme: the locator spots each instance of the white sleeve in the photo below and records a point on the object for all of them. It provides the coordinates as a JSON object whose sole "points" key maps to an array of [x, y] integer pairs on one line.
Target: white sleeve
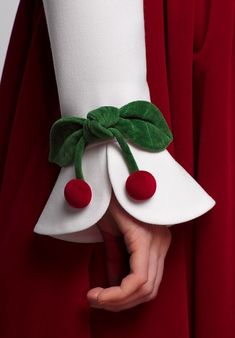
{"points": [[98, 49]]}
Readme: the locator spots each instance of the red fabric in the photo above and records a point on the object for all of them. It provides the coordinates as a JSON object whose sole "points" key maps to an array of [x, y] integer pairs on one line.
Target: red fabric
{"points": [[117, 258], [43, 281]]}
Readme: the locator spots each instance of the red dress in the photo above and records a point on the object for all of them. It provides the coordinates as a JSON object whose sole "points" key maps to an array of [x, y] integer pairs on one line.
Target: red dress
{"points": [[44, 281]]}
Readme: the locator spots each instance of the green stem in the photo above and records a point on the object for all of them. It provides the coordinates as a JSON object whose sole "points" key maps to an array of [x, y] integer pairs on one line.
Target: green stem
{"points": [[129, 158], [78, 158]]}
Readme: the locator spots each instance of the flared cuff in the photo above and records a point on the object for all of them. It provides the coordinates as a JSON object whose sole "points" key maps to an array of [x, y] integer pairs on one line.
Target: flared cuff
{"points": [[178, 197]]}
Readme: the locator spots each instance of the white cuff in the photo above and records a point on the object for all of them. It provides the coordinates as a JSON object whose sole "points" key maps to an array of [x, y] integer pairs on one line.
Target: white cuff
{"points": [[178, 198]]}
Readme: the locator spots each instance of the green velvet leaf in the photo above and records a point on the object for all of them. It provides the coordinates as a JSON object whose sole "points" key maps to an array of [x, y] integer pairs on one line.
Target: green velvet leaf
{"points": [[68, 122], [146, 127], [60, 140], [107, 116], [64, 155], [146, 135], [124, 126]]}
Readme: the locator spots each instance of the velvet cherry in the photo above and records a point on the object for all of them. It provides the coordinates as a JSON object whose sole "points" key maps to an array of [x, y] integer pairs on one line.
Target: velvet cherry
{"points": [[77, 193], [141, 185]]}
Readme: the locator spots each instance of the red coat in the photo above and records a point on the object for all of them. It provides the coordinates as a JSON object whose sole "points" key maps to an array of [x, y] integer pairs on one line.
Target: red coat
{"points": [[43, 281]]}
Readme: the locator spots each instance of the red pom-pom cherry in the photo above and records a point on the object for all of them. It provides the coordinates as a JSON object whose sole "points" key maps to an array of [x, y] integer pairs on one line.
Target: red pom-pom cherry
{"points": [[141, 185], [77, 193]]}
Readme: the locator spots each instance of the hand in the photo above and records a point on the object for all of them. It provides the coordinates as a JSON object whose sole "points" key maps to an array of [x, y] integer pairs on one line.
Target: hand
{"points": [[147, 245]]}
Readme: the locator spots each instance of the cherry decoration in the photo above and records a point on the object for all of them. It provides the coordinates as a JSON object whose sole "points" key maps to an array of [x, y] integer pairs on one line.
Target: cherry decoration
{"points": [[141, 185], [78, 193], [139, 122]]}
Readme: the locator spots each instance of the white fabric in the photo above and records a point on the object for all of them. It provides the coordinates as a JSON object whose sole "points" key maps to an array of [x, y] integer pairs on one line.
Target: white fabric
{"points": [[98, 49], [178, 198], [60, 218], [8, 11]]}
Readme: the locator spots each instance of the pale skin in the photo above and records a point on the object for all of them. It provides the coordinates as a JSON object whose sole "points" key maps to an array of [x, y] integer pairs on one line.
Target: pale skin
{"points": [[147, 245]]}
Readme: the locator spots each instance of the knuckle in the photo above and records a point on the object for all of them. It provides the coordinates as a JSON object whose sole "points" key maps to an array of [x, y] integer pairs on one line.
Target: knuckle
{"points": [[100, 301], [151, 296], [147, 289], [141, 280]]}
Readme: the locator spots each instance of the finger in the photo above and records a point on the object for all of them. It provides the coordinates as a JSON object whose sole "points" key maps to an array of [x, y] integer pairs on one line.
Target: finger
{"points": [[144, 292], [117, 308], [159, 276], [139, 263], [92, 294], [157, 253], [150, 289]]}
